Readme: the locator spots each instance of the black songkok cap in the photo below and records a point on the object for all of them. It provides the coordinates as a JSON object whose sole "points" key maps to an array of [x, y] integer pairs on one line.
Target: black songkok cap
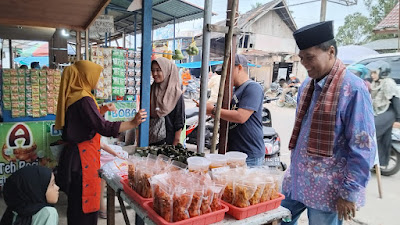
{"points": [[314, 34]]}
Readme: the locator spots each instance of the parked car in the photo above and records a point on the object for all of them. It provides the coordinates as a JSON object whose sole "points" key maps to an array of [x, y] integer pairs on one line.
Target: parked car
{"points": [[392, 58]]}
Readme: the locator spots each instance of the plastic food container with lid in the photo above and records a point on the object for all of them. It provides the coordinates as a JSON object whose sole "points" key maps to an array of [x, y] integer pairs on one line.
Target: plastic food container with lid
{"points": [[217, 160], [236, 159], [198, 164]]}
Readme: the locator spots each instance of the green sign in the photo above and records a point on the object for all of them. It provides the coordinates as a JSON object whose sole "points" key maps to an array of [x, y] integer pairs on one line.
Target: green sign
{"points": [[26, 143], [126, 110]]}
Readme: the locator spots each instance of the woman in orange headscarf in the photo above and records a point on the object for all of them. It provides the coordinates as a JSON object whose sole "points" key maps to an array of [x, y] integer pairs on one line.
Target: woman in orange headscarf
{"points": [[78, 115]]}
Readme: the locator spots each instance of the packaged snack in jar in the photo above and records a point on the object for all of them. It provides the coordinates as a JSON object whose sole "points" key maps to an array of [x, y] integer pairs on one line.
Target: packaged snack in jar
{"points": [[198, 164], [6, 73], [217, 160], [6, 88], [162, 196], [236, 159], [43, 73], [21, 81], [21, 72], [14, 80], [217, 190], [7, 80], [42, 81], [14, 97], [13, 72], [243, 192], [7, 105]]}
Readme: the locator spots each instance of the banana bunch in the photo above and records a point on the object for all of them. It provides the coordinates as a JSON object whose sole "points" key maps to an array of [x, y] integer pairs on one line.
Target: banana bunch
{"points": [[192, 50], [178, 55]]}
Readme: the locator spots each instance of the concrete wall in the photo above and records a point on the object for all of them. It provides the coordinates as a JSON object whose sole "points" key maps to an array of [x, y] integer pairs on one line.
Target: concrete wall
{"points": [[271, 34]]}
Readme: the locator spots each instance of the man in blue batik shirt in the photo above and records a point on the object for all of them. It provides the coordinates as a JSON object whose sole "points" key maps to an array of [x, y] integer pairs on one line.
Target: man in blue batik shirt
{"points": [[332, 145]]}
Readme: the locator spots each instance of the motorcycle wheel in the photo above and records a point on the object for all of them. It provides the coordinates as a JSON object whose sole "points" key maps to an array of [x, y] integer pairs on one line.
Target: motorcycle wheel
{"points": [[394, 164]]}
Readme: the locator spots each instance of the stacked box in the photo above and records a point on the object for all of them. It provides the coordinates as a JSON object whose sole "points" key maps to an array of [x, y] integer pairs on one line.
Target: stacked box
{"points": [[119, 72], [6, 89], [103, 57]]}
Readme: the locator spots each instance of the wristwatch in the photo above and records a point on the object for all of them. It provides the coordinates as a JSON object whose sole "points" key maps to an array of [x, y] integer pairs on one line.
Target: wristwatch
{"points": [[214, 110]]}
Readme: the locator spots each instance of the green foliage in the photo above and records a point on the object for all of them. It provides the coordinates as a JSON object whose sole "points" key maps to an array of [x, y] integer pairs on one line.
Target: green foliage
{"points": [[358, 29], [258, 4]]}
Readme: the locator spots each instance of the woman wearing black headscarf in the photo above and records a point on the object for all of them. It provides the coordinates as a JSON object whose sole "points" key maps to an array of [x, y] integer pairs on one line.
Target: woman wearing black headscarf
{"points": [[29, 193]]}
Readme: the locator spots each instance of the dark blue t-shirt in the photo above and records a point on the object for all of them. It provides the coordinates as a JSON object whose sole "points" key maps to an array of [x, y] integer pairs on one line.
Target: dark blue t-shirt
{"points": [[248, 137]]}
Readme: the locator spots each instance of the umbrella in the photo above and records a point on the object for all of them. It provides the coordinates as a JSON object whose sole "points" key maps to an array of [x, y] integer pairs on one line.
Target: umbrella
{"points": [[352, 53]]}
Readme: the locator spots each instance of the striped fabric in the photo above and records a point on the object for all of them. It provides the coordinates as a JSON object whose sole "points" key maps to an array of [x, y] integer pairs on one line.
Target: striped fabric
{"points": [[322, 131]]}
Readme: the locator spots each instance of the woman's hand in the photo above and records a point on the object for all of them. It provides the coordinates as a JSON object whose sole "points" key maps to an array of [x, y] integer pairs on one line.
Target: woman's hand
{"points": [[108, 107], [139, 118]]}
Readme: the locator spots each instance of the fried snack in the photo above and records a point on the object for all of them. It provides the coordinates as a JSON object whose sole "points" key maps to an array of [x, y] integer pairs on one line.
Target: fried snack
{"points": [[227, 196], [162, 204], [257, 194], [266, 195], [194, 208], [181, 203], [131, 175], [243, 194], [275, 190], [206, 202]]}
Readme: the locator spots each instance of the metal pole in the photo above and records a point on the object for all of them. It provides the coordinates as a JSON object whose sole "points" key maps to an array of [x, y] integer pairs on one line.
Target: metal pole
{"points": [[398, 29], [173, 50], [228, 46], [146, 67], [105, 36], [204, 75], [123, 40], [134, 46], [78, 46], [323, 10], [11, 53], [87, 44]]}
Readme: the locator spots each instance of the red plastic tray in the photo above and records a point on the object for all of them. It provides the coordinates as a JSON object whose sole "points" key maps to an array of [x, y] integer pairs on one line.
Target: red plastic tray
{"points": [[133, 194], [204, 219], [242, 213]]}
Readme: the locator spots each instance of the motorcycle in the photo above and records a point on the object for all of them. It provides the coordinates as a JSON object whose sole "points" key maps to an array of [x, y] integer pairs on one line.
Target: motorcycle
{"points": [[192, 89], [192, 122], [290, 98], [271, 138], [394, 159]]}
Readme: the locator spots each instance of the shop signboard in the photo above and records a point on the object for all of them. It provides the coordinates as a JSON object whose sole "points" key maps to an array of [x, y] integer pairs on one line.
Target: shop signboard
{"points": [[126, 110], [26, 143], [103, 24]]}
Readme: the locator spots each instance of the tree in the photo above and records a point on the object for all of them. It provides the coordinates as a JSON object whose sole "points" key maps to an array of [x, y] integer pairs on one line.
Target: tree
{"points": [[358, 29], [258, 4], [355, 31]]}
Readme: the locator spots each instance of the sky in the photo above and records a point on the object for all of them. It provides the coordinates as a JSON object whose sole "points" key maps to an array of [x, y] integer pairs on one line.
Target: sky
{"points": [[303, 14]]}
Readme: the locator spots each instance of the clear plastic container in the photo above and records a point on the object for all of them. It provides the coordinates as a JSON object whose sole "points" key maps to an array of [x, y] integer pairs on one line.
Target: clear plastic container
{"points": [[198, 164], [236, 159], [217, 160]]}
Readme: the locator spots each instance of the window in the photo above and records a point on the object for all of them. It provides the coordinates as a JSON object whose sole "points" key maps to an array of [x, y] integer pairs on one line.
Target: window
{"points": [[245, 41]]}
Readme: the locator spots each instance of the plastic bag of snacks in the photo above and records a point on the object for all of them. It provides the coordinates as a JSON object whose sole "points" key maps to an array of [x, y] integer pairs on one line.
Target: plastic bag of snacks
{"points": [[243, 192], [269, 186], [182, 199], [133, 161], [195, 205], [277, 176], [162, 196], [217, 190], [260, 184]]}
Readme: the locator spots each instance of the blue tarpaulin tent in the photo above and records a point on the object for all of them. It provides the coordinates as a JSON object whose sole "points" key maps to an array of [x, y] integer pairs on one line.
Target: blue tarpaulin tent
{"points": [[43, 60], [197, 64]]}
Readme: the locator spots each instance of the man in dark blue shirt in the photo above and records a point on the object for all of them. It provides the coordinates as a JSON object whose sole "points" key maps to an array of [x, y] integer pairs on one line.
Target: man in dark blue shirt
{"points": [[245, 116]]}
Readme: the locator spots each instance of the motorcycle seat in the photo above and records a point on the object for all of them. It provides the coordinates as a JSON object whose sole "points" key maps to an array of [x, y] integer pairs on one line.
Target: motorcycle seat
{"points": [[192, 112], [268, 131]]}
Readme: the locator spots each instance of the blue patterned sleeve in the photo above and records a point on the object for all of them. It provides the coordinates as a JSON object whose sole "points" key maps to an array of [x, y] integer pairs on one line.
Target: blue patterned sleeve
{"points": [[360, 133]]}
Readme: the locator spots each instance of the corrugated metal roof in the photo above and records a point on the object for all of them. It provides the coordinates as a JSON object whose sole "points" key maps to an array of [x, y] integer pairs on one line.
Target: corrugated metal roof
{"points": [[164, 13], [390, 23], [383, 44]]}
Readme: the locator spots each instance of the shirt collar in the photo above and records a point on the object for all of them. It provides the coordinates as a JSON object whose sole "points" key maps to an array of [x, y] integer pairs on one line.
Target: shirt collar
{"points": [[320, 83]]}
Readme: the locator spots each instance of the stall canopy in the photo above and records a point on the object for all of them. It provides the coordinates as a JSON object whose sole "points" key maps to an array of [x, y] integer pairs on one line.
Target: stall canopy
{"points": [[164, 13], [197, 64], [70, 14]]}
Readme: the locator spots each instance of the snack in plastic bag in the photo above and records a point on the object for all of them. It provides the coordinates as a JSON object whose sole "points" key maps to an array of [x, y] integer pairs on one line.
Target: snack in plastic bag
{"points": [[162, 196], [243, 192], [182, 199], [217, 191], [194, 208], [269, 186]]}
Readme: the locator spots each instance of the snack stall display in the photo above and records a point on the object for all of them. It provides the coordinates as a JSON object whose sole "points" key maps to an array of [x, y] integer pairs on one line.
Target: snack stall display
{"points": [[29, 103], [193, 191]]}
